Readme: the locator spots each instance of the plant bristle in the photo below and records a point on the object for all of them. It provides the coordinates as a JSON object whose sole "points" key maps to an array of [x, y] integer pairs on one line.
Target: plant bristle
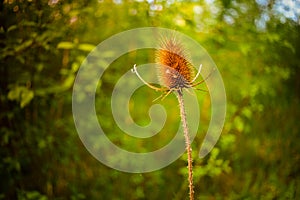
{"points": [[175, 71]]}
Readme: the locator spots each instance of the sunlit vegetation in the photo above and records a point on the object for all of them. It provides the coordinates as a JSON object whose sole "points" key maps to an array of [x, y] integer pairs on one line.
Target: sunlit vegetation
{"points": [[256, 46]]}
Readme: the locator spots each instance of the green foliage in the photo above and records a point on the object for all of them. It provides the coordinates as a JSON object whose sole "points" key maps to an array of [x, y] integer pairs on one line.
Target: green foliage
{"points": [[43, 44], [28, 195], [21, 94]]}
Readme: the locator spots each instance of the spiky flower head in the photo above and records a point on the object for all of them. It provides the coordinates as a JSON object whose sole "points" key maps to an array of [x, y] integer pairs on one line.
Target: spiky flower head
{"points": [[175, 71]]}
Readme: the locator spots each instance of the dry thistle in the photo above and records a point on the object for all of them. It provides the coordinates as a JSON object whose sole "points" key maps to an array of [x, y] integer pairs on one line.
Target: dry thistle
{"points": [[176, 73]]}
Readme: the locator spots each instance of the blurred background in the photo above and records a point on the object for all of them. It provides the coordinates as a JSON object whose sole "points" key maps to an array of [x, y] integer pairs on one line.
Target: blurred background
{"points": [[256, 46]]}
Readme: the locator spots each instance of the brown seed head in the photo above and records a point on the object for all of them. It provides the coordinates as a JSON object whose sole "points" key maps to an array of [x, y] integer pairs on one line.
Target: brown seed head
{"points": [[175, 71]]}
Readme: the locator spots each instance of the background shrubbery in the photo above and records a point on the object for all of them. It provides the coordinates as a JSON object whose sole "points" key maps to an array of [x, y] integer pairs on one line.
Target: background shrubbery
{"points": [[255, 45]]}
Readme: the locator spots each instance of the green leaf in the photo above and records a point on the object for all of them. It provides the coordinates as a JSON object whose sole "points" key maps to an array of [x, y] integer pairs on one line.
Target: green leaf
{"points": [[68, 82], [108, 54], [245, 49], [289, 46], [26, 97], [29, 23], [86, 47], [11, 28], [24, 45], [65, 45], [21, 94], [14, 94], [239, 124]]}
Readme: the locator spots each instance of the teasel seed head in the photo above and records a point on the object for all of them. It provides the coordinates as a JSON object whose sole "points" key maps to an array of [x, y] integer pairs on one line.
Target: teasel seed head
{"points": [[175, 71]]}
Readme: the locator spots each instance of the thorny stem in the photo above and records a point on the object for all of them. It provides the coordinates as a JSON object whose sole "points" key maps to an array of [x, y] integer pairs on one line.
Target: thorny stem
{"points": [[184, 123], [187, 143]]}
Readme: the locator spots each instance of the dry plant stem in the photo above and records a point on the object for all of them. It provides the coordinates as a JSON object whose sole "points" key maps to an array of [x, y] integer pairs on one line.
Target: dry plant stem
{"points": [[187, 143]]}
